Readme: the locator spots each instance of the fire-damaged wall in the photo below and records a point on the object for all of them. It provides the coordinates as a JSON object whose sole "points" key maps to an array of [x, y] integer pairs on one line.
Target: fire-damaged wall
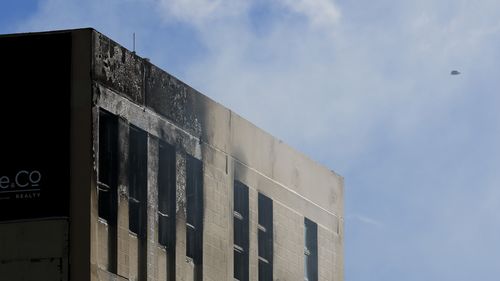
{"points": [[145, 238], [112, 169]]}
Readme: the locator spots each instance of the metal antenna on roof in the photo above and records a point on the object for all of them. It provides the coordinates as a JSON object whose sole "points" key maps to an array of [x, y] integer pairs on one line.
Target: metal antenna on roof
{"points": [[133, 39]]}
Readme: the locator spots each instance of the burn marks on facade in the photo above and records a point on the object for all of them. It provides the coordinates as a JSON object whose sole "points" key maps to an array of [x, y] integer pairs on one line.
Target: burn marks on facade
{"points": [[166, 95], [146, 84], [118, 68], [127, 86], [163, 156], [196, 142], [174, 100], [124, 154], [178, 177]]}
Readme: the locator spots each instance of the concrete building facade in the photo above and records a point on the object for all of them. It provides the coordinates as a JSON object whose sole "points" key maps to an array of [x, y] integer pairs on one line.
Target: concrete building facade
{"points": [[115, 170]]}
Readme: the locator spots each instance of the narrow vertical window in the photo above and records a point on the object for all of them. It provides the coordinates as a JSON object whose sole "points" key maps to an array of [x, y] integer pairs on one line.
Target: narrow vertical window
{"points": [[265, 238], [166, 204], [194, 212], [108, 175], [241, 238], [310, 250], [138, 180], [107, 180]]}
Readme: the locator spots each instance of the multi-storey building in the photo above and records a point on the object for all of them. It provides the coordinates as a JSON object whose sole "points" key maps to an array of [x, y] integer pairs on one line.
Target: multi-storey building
{"points": [[112, 169]]}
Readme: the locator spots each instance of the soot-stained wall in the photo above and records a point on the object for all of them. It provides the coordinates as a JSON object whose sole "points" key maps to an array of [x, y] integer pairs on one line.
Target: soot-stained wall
{"points": [[231, 148]]}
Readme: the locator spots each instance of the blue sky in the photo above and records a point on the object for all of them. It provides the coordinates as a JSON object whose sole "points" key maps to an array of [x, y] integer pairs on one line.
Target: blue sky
{"points": [[364, 87]]}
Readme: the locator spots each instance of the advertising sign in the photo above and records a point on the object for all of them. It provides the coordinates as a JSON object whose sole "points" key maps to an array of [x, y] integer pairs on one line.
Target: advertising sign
{"points": [[34, 126]]}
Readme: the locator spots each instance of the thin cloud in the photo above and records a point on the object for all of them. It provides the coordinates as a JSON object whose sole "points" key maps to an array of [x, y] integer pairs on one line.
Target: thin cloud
{"points": [[363, 219], [201, 12], [319, 12]]}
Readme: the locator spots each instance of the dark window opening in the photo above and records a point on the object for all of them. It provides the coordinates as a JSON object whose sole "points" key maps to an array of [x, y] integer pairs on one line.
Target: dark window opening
{"points": [[241, 236], [310, 250], [194, 210], [191, 241], [167, 204], [108, 163], [265, 238], [265, 271], [166, 195], [107, 196], [138, 180]]}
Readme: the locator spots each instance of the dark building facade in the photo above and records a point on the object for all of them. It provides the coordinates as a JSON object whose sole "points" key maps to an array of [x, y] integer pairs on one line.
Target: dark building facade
{"points": [[112, 169]]}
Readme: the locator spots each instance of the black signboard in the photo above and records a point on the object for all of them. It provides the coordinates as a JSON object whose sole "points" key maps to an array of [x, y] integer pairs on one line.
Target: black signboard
{"points": [[34, 125]]}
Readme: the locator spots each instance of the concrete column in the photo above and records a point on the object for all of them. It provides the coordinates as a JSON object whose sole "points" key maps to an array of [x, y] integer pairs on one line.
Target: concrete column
{"points": [[123, 232], [81, 176], [152, 210], [180, 245]]}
